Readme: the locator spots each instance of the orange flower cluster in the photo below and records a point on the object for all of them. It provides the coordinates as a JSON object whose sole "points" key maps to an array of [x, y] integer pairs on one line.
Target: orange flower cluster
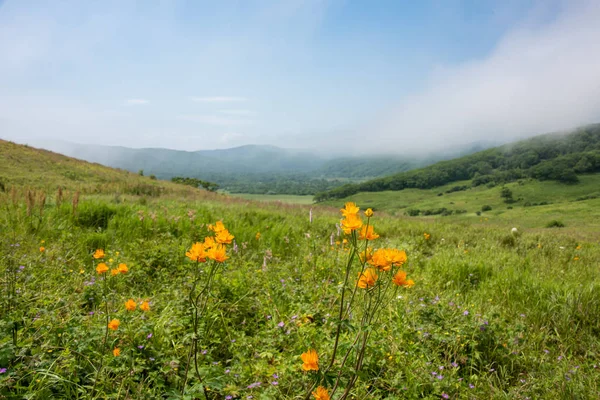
{"points": [[351, 220], [114, 324], [384, 259], [102, 268], [131, 305], [213, 247], [367, 279]]}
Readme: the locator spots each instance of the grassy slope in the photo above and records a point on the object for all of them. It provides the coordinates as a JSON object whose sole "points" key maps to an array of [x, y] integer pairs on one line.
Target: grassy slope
{"points": [[27, 166], [582, 217]]}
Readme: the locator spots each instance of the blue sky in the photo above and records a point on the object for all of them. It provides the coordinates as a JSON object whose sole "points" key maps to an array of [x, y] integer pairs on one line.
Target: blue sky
{"points": [[371, 76]]}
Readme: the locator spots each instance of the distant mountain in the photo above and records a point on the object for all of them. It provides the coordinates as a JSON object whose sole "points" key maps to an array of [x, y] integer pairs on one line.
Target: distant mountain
{"points": [[251, 168], [554, 156]]}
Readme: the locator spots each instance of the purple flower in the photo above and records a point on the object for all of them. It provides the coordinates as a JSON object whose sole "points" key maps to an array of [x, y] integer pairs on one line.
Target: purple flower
{"points": [[91, 313], [227, 371], [149, 336], [445, 396], [232, 340], [546, 351], [294, 317], [560, 358], [2, 370], [274, 383], [454, 364], [204, 351], [228, 397], [140, 346], [254, 385], [440, 377], [281, 324], [466, 312], [471, 386], [441, 367], [21, 267], [275, 376], [268, 317]]}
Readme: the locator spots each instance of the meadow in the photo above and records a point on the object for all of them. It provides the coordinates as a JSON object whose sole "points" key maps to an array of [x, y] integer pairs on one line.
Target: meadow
{"points": [[492, 313]]}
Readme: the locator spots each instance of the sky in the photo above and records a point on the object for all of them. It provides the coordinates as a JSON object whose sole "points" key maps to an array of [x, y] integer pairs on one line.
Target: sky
{"points": [[352, 76]]}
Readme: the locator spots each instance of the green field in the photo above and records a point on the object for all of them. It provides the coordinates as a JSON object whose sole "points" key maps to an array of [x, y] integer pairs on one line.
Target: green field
{"points": [[492, 313], [283, 198], [581, 217]]}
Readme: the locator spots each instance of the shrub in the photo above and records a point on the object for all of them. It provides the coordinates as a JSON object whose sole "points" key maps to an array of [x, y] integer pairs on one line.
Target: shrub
{"points": [[486, 208], [555, 224], [412, 212]]}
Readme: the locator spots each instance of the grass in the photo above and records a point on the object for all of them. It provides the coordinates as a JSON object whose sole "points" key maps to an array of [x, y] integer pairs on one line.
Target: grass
{"points": [[284, 198], [581, 217], [493, 314]]}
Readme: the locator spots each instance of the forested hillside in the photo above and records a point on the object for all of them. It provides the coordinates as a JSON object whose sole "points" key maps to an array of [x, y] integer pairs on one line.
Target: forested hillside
{"points": [[558, 157]]}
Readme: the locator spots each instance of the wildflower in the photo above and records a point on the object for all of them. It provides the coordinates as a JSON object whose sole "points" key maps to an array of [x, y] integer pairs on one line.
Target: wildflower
{"points": [[145, 306], [310, 360], [367, 233], [149, 336], [281, 324], [367, 279], [366, 255], [114, 324], [217, 253], [445, 396], [257, 236], [42, 249], [217, 227], [321, 393], [400, 280], [99, 253], [114, 272], [575, 258], [426, 235], [351, 223], [102, 268], [197, 252], [2, 370], [350, 209], [123, 268], [578, 247], [224, 237], [369, 212], [116, 352], [130, 305]]}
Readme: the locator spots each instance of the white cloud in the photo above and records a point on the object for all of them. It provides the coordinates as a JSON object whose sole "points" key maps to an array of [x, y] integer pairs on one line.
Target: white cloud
{"points": [[218, 99], [137, 102], [539, 78], [215, 120]]}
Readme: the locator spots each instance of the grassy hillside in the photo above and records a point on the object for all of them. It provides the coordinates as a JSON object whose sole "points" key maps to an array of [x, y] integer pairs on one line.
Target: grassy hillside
{"points": [[25, 166], [558, 157], [535, 204]]}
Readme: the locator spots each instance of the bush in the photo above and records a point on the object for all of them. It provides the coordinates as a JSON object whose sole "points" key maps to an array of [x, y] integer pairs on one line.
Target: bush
{"points": [[413, 213], [486, 208], [555, 224]]}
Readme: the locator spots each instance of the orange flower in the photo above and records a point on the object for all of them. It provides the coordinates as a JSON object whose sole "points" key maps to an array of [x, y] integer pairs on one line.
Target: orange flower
{"points": [[366, 232], [114, 324], [116, 352], [321, 394], [384, 259], [130, 305], [366, 255], [397, 257], [426, 236], [217, 253], [197, 252], [369, 212], [350, 209], [114, 272], [575, 258], [367, 279], [351, 223], [310, 360], [400, 280], [145, 306], [42, 249], [102, 268], [123, 268], [217, 227], [99, 253], [224, 237], [257, 236]]}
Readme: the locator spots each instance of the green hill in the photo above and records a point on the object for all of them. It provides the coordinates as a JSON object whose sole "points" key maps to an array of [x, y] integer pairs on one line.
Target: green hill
{"points": [[559, 157], [25, 166]]}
